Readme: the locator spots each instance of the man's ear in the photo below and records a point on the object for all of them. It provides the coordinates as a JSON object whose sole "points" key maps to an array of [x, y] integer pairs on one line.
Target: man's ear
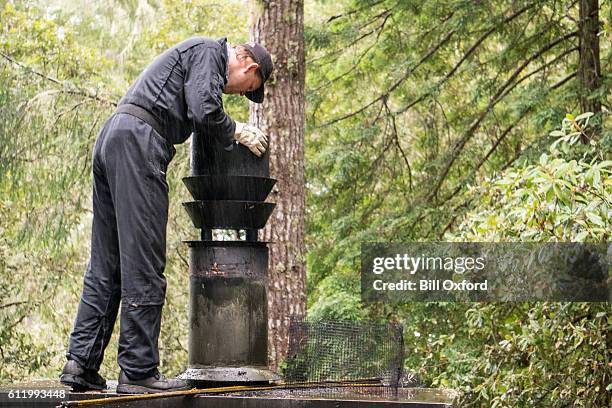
{"points": [[251, 67]]}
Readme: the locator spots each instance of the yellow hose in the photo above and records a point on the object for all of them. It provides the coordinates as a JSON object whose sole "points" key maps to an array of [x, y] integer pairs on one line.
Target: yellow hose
{"points": [[196, 391]]}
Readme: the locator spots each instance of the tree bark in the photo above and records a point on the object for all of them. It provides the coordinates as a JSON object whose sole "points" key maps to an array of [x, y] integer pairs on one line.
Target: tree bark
{"points": [[279, 26], [589, 69]]}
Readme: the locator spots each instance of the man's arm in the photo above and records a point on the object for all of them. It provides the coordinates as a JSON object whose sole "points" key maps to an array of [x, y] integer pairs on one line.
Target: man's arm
{"points": [[203, 88]]}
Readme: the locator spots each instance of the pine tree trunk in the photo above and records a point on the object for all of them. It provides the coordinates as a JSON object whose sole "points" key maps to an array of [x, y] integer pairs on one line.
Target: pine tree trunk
{"points": [[279, 26], [589, 69]]}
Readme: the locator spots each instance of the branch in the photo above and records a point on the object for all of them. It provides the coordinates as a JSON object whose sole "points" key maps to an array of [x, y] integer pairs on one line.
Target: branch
{"points": [[564, 80], [423, 35], [380, 29], [507, 164], [354, 11], [417, 221], [483, 37], [182, 258], [540, 68], [396, 84], [379, 159], [69, 110], [399, 146], [16, 322], [12, 304], [75, 91], [387, 13], [48, 78], [494, 101], [455, 216], [511, 127], [491, 150], [409, 71], [467, 202], [465, 57]]}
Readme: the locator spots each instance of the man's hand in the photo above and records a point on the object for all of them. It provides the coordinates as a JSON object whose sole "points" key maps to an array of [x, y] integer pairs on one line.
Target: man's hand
{"points": [[251, 137]]}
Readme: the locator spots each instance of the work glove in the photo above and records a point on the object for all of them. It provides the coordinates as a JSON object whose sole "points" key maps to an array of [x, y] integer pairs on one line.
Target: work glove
{"points": [[251, 137]]}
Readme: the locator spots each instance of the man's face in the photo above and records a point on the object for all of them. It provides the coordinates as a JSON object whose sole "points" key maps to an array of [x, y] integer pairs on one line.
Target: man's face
{"points": [[243, 76]]}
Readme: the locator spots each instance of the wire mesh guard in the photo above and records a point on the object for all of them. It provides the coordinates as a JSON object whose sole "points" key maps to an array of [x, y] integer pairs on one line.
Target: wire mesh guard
{"points": [[344, 351]]}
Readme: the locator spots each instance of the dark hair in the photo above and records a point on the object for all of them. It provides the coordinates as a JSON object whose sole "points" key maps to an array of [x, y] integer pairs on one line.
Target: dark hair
{"points": [[244, 52]]}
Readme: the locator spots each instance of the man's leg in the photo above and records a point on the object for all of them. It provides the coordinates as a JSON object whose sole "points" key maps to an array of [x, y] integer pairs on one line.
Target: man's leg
{"points": [[139, 158], [99, 303]]}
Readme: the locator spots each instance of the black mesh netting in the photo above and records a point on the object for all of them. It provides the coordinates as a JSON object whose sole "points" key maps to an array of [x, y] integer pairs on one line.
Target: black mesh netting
{"points": [[329, 351]]}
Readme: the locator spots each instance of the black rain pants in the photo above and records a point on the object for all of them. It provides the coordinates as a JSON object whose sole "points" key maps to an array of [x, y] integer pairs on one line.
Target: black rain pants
{"points": [[128, 248]]}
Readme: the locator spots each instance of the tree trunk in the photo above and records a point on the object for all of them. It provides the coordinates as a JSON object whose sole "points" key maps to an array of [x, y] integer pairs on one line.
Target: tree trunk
{"points": [[279, 26], [589, 69]]}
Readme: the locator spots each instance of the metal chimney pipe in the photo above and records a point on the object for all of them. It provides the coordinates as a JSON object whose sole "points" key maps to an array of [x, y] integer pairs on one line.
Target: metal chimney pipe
{"points": [[228, 308]]}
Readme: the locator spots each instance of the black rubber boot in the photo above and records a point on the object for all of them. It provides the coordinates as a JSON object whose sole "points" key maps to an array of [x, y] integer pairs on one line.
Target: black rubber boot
{"points": [[151, 385], [81, 379]]}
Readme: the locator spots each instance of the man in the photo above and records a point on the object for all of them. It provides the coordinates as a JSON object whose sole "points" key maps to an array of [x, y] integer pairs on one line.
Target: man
{"points": [[179, 93]]}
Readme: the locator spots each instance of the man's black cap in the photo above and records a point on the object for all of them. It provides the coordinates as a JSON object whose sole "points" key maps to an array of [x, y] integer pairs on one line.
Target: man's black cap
{"points": [[262, 57]]}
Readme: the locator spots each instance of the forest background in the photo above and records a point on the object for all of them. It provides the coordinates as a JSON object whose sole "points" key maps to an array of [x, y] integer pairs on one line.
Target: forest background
{"points": [[445, 120]]}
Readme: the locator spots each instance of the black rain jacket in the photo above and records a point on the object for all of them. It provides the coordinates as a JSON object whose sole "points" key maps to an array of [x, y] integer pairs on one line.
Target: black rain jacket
{"points": [[183, 87]]}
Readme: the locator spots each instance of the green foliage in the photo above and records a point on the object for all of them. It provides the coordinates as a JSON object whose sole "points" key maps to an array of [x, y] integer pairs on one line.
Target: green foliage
{"points": [[417, 130], [412, 102], [63, 66], [427, 121], [510, 354], [520, 354], [554, 200], [337, 298], [542, 354], [47, 128], [515, 354]]}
